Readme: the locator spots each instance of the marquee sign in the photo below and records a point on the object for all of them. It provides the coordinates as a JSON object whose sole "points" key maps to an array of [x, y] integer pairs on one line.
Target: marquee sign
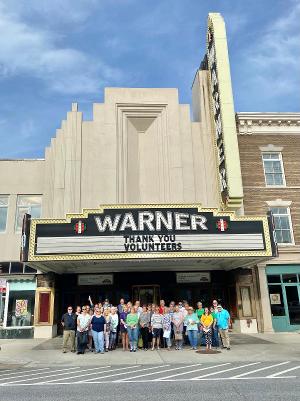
{"points": [[230, 181], [148, 231]]}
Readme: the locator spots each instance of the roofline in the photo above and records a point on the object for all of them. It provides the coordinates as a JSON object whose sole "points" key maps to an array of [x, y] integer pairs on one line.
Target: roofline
{"points": [[269, 115], [22, 160]]}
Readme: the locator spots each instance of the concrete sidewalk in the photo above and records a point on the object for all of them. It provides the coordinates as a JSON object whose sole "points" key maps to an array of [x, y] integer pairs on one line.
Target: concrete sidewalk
{"points": [[256, 347]]}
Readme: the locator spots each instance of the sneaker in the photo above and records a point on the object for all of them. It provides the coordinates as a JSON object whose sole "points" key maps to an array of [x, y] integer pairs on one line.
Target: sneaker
{"points": [[228, 348], [64, 351], [158, 348], [102, 352], [131, 350], [152, 349], [106, 349], [134, 350]]}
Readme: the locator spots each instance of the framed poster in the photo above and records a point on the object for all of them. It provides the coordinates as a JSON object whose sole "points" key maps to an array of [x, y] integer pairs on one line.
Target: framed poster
{"points": [[275, 299]]}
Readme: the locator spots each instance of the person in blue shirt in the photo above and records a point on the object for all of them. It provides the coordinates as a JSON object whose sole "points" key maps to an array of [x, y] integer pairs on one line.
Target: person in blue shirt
{"points": [[223, 322]]}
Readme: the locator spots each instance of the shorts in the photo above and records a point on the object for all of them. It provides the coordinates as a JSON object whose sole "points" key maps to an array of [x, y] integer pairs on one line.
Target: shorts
{"points": [[123, 329], [156, 333]]}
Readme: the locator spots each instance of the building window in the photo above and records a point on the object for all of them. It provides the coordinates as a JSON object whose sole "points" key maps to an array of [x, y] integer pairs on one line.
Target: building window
{"points": [[283, 225], [273, 169], [3, 212], [20, 308], [27, 204], [15, 268]]}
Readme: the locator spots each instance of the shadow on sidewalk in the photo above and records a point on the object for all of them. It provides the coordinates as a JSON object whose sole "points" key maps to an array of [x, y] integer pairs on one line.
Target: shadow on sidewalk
{"points": [[236, 339]]}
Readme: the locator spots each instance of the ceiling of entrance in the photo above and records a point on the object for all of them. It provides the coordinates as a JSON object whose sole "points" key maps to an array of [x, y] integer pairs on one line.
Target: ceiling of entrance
{"points": [[99, 266]]}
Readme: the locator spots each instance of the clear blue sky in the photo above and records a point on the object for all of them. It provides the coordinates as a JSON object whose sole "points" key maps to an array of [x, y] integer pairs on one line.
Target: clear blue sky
{"points": [[55, 52]]}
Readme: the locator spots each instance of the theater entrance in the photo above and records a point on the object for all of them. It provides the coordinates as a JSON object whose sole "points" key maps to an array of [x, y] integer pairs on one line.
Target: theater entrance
{"points": [[146, 294]]}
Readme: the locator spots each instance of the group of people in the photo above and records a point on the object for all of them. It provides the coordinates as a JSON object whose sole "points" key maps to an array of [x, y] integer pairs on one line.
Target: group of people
{"points": [[97, 327]]}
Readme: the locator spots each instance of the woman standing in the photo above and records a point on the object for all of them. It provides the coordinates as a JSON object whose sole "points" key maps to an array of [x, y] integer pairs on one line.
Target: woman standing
{"points": [[191, 320], [177, 320], [167, 327], [98, 324], [144, 322], [207, 321], [108, 327], [156, 327], [123, 328], [83, 322], [132, 321], [90, 334], [114, 319]]}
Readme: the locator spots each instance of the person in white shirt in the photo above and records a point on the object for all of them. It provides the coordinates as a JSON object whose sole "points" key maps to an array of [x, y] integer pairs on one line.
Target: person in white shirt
{"points": [[114, 321]]}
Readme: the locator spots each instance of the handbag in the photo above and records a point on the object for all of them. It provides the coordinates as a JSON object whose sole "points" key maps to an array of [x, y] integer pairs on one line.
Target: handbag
{"points": [[167, 334], [178, 336]]}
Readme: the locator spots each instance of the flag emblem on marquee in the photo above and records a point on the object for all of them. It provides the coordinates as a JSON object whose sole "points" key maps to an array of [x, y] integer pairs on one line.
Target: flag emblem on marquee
{"points": [[80, 227], [222, 225]]}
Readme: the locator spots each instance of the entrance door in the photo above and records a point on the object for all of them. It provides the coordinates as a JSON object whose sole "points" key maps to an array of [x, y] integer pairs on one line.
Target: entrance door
{"points": [[293, 305], [146, 294]]}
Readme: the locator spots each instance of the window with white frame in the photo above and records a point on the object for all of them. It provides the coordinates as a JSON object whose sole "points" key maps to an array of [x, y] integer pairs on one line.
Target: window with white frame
{"points": [[3, 212], [27, 204], [283, 225], [273, 169]]}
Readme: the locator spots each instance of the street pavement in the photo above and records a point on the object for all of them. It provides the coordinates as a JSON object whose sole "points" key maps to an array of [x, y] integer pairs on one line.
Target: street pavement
{"points": [[259, 367], [253, 381]]}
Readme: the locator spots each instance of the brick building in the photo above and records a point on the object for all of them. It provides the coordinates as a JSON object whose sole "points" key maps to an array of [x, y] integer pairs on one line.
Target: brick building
{"points": [[269, 145]]}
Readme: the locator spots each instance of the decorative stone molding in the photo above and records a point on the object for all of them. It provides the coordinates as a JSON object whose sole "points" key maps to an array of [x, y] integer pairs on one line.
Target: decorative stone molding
{"points": [[271, 148], [268, 123], [279, 203]]}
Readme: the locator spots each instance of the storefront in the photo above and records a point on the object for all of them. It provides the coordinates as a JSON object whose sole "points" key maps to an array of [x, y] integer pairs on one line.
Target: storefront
{"points": [[17, 300], [147, 253], [284, 292]]}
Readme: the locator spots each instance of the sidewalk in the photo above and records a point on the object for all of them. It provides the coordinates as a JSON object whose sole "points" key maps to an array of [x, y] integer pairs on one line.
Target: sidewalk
{"points": [[256, 347]]}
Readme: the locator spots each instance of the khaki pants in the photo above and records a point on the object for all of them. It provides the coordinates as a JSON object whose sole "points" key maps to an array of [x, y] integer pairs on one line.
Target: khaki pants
{"points": [[69, 335], [225, 337]]}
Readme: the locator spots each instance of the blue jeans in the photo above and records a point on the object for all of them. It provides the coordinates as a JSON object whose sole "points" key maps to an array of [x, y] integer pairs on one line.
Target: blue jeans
{"points": [[112, 339], [193, 337], [98, 338], [215, 337], [133, 335]]}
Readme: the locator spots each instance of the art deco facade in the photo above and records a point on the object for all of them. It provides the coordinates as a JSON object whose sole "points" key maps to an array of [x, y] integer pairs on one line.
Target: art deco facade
{"points": [[168, 174]]}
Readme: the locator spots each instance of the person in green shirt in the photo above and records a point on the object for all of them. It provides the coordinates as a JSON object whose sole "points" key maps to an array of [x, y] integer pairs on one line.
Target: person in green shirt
{"points": [[132, 321], [191, 321], [215, 331], [199, 310]]}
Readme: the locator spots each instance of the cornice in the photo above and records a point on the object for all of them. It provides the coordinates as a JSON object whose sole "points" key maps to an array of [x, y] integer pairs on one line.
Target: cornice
{"points": [[268, 123]]}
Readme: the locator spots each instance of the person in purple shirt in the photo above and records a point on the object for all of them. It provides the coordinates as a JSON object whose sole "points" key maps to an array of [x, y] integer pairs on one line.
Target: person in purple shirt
{"points": [[123, 328]]}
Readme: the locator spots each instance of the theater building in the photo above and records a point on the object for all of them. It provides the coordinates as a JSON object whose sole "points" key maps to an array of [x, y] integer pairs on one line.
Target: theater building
{"points": [[145, 201]]}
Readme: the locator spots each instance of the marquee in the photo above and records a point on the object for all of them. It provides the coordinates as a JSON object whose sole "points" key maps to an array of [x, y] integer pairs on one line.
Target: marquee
{"points": [[146, 231]]}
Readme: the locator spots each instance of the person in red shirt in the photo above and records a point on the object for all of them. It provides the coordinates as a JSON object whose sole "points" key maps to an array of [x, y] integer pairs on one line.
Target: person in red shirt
{"points": [[161, 306]]}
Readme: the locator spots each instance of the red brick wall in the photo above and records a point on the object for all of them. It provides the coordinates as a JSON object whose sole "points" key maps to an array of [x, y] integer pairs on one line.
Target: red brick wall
{"points": [[255, 191]]}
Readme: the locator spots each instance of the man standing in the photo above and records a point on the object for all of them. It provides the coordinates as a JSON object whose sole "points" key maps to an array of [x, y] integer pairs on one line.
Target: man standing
{"points": [[121, 305], [68, 322], [215, 330], [200, 312], [223, 322]]}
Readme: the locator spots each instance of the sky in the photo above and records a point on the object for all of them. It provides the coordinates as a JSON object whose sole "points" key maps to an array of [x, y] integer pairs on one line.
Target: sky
{"points": [[55, 52]]}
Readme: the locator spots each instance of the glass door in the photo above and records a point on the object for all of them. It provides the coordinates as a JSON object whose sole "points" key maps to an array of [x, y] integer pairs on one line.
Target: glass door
{"points": [[293, 304], [146, 294]]}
